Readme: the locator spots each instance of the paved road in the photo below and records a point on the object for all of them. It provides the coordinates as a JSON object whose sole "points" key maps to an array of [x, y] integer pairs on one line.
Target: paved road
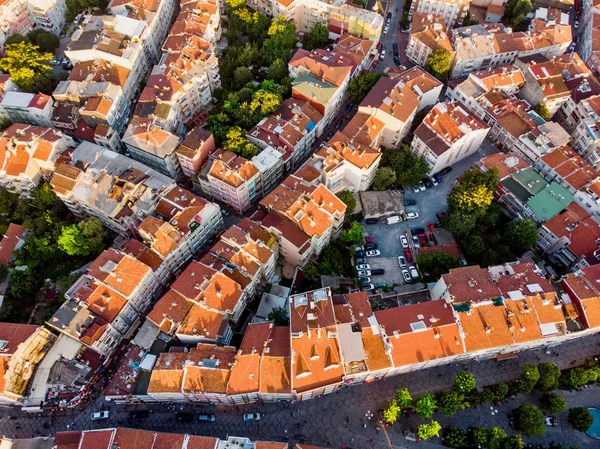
{"points": [[394, 35], [322, 420]]}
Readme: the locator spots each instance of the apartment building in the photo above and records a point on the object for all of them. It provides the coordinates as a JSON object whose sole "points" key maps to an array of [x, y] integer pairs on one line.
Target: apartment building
{"points": [[452, 11], [427, 88], [22, 346], [447, 135], [293, 128], [427, 34], [22, 107], [105, 305], [153, 146], [581, 121], [117, 190], [92, 103], [29, 156], [510, 119], [581, 289], [571, 238], [540, 141], [314, 210], [13, 239], [194, 150], [321, 77], [48, 15], [343, 164], [14, 18], [360, 50], [504, 163], [589, 45]]}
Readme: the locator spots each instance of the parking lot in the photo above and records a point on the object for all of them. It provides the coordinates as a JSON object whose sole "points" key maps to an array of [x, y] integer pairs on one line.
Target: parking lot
{"points": [[430, 201]]}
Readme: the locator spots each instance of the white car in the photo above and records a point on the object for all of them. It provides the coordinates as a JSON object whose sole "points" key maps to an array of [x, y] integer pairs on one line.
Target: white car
{"points": [[100, 415], [363, 266], [412, 215], [406, 276], [404, 241], [576, 24], [434, 181], [422, 187], [413, 272], [359, 248], [401, 261], [252, 417], [416, 241], [416, 189], [385, 30], [382, 55], [373, 253], [367, 287], [363, 273]]}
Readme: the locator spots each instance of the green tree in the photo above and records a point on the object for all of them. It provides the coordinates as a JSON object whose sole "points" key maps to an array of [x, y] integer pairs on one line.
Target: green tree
{"points": [[409, 169], [281, 40], [469, 20], [16, 38], [515, 12], [3, 272], [543, 111], [44, 197], [310, 270], [317, 38], [475, 192], [218, 125], [95, 234], [353, 236], [27, 67], [391, 412], [438, 63], [384, 178], [435, 264], [448, 403], [574, 378], [464, 382], [454, 437], [73, 242], [236, 142], [348, 199], [279, 316], [513, 442], [278, 70], [425, 406], [549, 375], [361, 85], [8, 201], [74, 7], [264, 103], [403, 398], [429, 430], [500, 391], [580, 418], [553, 403], [47, 42], [521, 235], [530, 420], [241, 77], [529, 377], [489, 438]]}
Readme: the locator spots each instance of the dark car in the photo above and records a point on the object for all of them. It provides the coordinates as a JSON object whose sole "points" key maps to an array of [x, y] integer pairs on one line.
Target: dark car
{"points": [[371, 221], [440, 215], [445, 171], [329, 136], [349, 107], [428, 184], [184, 416], [370, 246], [409, 202], [437, 224], [423, 239], [360, 254], [397, 61], [438, 177], [389, 16], [408, 255], [377, 271], [395, 48], [338, 124], [417, 231]]}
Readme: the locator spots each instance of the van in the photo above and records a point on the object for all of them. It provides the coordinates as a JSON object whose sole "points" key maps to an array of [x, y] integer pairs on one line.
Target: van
{"points": [[393, 220]]}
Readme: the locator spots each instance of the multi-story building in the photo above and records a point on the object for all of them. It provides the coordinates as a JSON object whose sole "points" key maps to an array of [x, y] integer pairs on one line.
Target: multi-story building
{"points": [[427, 34], [427, 88], [582, 291], [293, 128], [13, 239], [321, 77], [48, 15], [315, 210], [447, 135], [589, 43], [362, 51], [581, 120], [197, 145], [452, 11], [28, 156], [541, 140], [22, 107], [14, 19], [117, 190], [510, 119]]}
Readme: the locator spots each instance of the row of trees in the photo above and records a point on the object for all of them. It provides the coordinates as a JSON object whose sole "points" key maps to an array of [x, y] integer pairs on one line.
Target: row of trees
{"points": [[491, 438], [399, 167]]}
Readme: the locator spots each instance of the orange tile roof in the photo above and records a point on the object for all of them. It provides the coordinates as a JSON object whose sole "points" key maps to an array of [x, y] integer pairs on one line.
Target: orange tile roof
{"points": [[505, 163], [232, 169], [393, 97], [311, 310], [354, 48], [170, 311], [325, 65], [570, 166], [245, 374], [209, 380], [200, 442], [13, 235], [202, 322], [133, 438], [470, 284]]}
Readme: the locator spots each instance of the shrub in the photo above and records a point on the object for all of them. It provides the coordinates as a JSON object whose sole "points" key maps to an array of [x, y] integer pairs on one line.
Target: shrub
{"points": [[580, 418], [464, 382], [454, 437], [553, 403], [530, 420]]}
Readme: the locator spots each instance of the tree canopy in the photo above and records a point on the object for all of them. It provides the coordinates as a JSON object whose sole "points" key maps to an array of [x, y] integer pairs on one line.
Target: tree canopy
{"points": [[391, 412], [429, 430], [385, 178], [317, 38], [236, 142], [549, 375], [543, 111], [515, 13], [361, 85], [530, 420], [434, 265], [279, 316], [74, 7], [464, 382], [438, 63], [354, 235], [521, 235], [454, 437], [553, 403], [348, 199], [27, 67], [580, 418], [425, 406], [409, 169]]}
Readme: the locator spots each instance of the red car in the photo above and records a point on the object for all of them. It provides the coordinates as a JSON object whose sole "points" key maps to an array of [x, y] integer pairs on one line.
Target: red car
{"points": [[423, 240], [408, 255], [430, 226], [369, 240]]}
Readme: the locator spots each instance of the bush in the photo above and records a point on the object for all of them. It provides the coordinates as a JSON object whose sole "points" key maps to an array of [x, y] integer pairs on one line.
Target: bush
{"points": [[574, 378], [403, 398], [391, 412], [500, 391], [464, 382], [429, 430], [448, 403], [549, 375], [454, 437], [580, 418], [553, 403], [529, 377], [530, 420], [425, 406], [489, 438]]}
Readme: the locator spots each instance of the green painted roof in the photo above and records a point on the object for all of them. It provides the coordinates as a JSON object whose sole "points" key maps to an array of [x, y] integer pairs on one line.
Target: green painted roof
{"points": [[525, 183], [314, 88], [550, 201]]}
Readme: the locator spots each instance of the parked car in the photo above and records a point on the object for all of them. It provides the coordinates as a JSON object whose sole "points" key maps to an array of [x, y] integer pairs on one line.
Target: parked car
{"points": [[438, 178], [576, 24], [551, 421], [410, 202], [381, 284], [389, 16], [416, 241], [433, 181], [377, 272], [369, 239], [397, 61], [427, 183], [361, 260], [445, 171], [359, 248], [362, 273], [406, 276], [430, 226], [349, 107], [251, 416], [371, 221], [363, 266], [100, 415], [401, 261], [207, 418], [338, 124], [412, 215], [394, 219], [422, 187], [386, 30], [373, 253], [417, 231], [413, 272], [184, 416], [408, 254], [367, 287], [395, 47], [382, 54], [416, 189], [225, 212], [370, 246], [329, 136], [364, 279], [403, 241], [360, 254], [423, 239]]}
